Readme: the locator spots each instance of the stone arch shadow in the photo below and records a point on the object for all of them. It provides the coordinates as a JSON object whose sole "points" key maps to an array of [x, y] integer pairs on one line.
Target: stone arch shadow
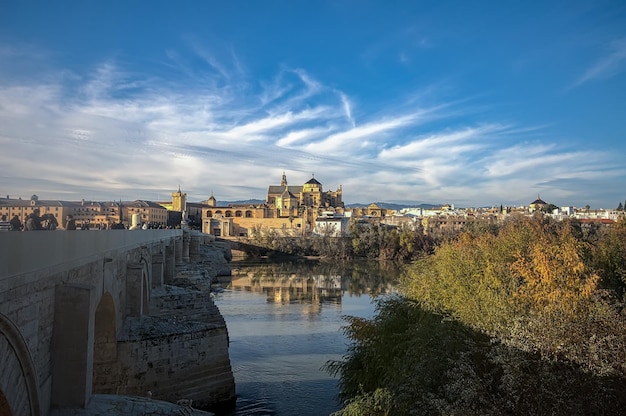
{"points": [[17, 373], [105, 342], [146, 286], [138, 285]]}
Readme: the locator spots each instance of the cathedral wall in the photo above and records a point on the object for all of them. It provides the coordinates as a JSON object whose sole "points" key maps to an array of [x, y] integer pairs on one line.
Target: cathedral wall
{"points": [[245, 225]]}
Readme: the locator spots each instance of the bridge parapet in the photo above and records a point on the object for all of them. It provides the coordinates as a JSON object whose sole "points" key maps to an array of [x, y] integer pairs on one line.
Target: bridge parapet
{"points": [[28, 252]]}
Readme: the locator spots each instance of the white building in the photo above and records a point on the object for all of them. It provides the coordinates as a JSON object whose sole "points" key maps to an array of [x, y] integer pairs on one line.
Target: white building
{"points": [[331, 224]]}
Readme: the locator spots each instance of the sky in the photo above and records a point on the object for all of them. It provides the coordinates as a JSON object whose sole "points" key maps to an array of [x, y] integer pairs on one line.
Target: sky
{"points": [[474, 103]]}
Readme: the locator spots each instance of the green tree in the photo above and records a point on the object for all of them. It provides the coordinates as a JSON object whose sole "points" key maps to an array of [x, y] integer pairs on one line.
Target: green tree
{"points": [[610, 258], [549, 208], [533, 285]]}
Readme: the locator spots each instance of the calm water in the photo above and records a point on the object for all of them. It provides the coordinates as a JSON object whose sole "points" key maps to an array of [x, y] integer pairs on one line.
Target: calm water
{"points": [[284, 321]]}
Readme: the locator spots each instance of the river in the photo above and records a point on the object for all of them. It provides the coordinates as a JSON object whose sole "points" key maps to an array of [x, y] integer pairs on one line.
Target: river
{"points": [[285, 322]]}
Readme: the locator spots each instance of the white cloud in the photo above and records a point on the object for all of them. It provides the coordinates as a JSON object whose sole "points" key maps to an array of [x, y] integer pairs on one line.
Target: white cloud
{"points": [[441, 143], [609, 65], [347, 107], [348, 141], [116, 134], [292, 138]]}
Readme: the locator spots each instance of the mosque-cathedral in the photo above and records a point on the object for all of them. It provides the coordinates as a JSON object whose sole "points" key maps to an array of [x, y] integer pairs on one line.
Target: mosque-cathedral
{"points": [[290, 208]]}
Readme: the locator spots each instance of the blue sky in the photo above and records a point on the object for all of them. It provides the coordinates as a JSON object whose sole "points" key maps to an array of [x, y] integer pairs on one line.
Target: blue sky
{"points": [[474, 103]]}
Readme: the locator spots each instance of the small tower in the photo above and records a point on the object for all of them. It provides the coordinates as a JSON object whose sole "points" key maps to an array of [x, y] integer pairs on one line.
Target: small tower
{"points": [[179, 200], [211, 201], [283, 181]]}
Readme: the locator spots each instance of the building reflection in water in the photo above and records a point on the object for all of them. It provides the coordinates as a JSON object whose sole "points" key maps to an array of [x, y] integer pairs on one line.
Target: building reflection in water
{"points": [[313, 282]]}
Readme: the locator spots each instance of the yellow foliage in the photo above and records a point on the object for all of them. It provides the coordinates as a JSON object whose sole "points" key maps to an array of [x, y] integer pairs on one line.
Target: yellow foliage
{"points": [[554, 276], [487, 280]]}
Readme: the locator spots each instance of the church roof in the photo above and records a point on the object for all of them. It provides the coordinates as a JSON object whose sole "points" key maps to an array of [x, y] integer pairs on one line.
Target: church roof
{"points": [[287, 194], [278, 190], [313, 181], [539, 201]]}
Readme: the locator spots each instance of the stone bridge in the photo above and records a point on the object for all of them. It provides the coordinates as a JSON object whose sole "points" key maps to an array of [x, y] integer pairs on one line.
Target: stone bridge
{"points": [[89, 312]]}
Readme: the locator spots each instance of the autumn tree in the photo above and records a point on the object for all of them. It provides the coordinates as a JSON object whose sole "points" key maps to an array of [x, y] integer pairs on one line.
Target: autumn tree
{"points": [[533, 285]]}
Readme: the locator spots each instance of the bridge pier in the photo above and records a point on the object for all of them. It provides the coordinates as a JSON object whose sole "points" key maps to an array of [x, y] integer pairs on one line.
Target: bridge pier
{"points": [[72, 345], [170, 263], [178, 250], [135, 289], [186, 241], [194, 244], [158, 261]]}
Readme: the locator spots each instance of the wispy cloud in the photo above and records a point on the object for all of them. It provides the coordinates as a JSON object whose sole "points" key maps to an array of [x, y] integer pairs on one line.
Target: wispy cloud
{"points": [[347, 107], [448, 143], [351, 140], [118, 134], [609, 65]]}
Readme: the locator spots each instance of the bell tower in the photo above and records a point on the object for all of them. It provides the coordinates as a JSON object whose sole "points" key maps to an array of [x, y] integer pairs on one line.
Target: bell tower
{"points": [[211, 201], [179, 200]]}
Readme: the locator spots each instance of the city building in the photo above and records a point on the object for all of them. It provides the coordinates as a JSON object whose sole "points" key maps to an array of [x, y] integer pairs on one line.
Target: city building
{"points": [[331, 225], [537, 204], [87, 214], [179, 206], [288, 208]]}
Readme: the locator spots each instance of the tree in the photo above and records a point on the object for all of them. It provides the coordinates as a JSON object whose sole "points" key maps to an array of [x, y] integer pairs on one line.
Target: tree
{"points": [[620, 207], [535, 285], [549, 208], [523, 319]]}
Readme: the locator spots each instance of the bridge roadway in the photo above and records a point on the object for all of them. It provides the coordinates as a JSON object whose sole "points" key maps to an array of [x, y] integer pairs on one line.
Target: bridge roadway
{"points": [[66, 300]]}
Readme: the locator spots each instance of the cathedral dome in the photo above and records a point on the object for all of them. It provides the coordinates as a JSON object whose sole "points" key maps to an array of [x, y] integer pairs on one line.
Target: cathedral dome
{"points": [[538, 201]]}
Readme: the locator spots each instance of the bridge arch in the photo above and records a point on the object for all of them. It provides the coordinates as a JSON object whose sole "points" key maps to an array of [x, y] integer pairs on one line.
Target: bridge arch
{"points": [[17, 373]]}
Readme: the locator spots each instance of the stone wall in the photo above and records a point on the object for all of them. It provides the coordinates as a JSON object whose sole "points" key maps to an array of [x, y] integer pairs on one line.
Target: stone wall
{"points": [[67, 298], [180, 351], [168, 359]]}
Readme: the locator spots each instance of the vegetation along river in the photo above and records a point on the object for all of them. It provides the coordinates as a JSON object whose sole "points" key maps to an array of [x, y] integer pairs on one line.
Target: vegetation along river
{"points": [[285, 322]]}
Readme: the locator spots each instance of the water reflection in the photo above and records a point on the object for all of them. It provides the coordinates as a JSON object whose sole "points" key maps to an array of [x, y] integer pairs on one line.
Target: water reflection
{"points": [[284, 321], [307, 281]]}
